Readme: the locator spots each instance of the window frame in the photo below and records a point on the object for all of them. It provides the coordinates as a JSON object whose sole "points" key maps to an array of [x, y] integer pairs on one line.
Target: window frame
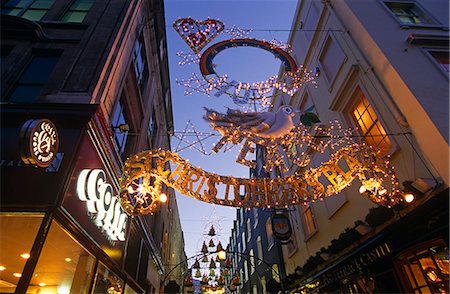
{"points": [[427, 51], [27, 7], [433, 22], [307, 233], [399, 264], [356, 93], [55, 54], [323, 46], [70, 9]]}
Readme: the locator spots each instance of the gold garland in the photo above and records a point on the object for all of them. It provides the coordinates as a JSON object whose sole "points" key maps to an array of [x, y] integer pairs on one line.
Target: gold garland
{"points": [[145, 172]]}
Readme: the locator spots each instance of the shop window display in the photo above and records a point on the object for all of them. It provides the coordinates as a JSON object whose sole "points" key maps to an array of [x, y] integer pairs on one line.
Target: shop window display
{"points": [[106, 282], [426, 269], [63, 265], [17, 234]]}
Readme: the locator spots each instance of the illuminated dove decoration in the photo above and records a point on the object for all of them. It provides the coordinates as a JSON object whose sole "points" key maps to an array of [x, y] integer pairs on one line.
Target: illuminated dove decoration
{"points": [[261, 124]]}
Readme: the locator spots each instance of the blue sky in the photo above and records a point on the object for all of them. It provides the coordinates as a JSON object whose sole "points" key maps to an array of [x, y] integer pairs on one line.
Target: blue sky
{"points": [[269, 20]]}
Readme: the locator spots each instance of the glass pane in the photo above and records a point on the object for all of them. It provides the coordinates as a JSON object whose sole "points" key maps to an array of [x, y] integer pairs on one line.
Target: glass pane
{"points": [[39, 70], [42, 4], [16, 3], [17, 234], [106, 281], [417, 272], [74, 16], [13, 12], [35, 15], [83, 5], [25, 93], [63, 266]]}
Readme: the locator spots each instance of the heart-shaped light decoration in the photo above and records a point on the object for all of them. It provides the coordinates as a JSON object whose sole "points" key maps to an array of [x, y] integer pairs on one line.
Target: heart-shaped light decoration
{"points": [[197, 34]]}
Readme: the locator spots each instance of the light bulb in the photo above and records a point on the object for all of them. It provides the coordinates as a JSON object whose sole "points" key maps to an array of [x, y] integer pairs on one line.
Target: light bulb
{"points": [[163, 197], [408, 197]]}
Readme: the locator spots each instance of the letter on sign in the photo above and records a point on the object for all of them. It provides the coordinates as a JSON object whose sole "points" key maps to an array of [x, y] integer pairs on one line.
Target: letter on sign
{"points": [[101, 202]]}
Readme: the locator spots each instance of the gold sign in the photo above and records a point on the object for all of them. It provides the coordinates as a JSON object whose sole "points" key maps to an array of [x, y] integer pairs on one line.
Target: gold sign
{"points": [[145, 172], [39, 142]]}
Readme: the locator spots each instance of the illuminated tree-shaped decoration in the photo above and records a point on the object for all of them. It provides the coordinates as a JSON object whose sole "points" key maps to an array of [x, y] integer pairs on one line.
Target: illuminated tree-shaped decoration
{"points": [[219, 247], [198, 274], [211, 243], [212, 231], [236, 281], [205, 280], [204, 248], [205, 258], [196, 264], [212, 272], [212, 264]]}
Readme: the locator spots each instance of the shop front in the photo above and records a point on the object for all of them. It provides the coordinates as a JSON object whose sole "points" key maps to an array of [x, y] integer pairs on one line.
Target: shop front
{"points": [[61, 226], [410, 255]]}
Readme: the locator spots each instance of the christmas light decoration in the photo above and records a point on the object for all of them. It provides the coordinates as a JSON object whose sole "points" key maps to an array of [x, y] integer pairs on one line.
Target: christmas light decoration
{"points": [[361, 162], [236, 32], [289, 82], [197, 34], [185, 142]]}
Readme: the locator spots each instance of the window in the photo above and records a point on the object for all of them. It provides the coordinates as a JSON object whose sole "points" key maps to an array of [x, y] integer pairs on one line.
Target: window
{"points": [[77, 11], [269, 232], [331, 58], [409, 13], [105, 281], [118, 120], [441, 57], [33, 79], [249, 230], [252, 261], [29, 9], [426, 269], [309, 224], [152, 129], [245, 271], [259, 250], [17, 233], [368, 123], [255, 216], [63, 265], [140, 63]]}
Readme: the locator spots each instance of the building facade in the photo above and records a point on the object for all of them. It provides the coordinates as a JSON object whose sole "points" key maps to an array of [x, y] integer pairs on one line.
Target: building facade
{"points": [[256, 254], [85, 85], [382, 68]]}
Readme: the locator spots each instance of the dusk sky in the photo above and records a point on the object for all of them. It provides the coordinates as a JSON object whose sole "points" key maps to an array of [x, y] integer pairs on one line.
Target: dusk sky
{"points": [[269, 20]]}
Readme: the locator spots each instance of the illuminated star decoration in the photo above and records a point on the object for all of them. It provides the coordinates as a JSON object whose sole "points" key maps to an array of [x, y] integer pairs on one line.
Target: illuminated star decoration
{"points": [[236, 32], [197, 143], [197, 34]]}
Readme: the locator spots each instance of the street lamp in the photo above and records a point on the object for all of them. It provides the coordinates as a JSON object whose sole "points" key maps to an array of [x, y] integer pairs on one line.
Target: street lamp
{"points": [[222, 254]]}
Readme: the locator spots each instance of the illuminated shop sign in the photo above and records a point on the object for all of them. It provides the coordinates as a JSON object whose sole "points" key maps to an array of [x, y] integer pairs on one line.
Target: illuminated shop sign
{"points": [[39, 142], [102, 205]]}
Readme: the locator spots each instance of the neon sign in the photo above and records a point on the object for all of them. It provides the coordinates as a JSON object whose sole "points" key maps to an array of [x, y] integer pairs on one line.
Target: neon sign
{"points": [[101, 203]]}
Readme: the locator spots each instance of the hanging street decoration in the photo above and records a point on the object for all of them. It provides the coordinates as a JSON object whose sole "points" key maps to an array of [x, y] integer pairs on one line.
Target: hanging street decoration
{"points": [[186, 143], [331, 177], [292, 78], [269, 125], [288, 147], [197, 34], [236, 32]]}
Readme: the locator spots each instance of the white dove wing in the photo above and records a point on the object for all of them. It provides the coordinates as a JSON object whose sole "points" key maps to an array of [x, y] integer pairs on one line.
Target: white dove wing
{"points": [[282, 125], [261, 122]]}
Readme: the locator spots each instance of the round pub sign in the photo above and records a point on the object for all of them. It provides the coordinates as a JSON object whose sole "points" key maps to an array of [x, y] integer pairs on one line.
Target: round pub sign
{"points": [[39, 141]]}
